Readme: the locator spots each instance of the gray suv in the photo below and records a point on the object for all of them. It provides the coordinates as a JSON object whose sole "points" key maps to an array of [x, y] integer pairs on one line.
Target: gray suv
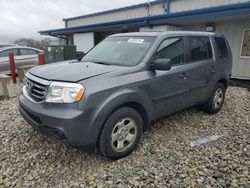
{"points": [[105, 102]]}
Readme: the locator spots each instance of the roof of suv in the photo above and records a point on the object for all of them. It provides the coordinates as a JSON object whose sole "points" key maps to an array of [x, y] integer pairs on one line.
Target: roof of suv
{"points": [[162, 33]]}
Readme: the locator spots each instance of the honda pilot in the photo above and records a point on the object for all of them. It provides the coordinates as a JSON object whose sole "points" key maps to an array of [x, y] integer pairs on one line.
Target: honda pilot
{"points": [[105, 101]]}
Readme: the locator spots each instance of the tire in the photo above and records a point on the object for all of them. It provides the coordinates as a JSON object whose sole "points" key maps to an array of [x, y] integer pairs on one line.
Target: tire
{"points": [[120, 133], [216, 99]]}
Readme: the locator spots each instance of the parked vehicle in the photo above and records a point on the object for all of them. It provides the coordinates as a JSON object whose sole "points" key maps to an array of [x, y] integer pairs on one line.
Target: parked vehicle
{"points": [[108, 99], [23, 56]]}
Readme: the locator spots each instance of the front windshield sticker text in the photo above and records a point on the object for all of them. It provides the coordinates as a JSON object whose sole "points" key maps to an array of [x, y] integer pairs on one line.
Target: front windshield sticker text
{"points": [[138, 41]]}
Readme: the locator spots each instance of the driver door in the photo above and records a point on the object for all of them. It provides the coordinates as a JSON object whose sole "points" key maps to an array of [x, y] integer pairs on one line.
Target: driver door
{"points": [[170, 89]]}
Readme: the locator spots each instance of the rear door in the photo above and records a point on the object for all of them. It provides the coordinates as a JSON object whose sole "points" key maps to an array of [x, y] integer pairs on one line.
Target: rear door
{"points": [[27, 57], [4, 60], [201, 66]]}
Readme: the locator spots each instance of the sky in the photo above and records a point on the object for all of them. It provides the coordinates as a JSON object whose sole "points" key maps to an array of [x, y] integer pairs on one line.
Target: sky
{"points": [[24, 18]]}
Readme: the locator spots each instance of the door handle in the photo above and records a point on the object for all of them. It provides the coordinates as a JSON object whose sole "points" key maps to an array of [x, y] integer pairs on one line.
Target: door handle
{"points": [[212, 69], [184, 76]]}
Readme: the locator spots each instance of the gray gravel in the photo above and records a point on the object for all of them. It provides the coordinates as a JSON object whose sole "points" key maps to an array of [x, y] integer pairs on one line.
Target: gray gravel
{"points": [[164, 157]]}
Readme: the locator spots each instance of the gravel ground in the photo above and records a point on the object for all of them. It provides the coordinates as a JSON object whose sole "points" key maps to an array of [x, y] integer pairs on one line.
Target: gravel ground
{"points": [[164, 157]]}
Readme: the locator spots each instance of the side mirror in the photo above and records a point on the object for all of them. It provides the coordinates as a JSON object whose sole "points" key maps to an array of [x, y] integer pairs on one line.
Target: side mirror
{"points": [[161, 64]]}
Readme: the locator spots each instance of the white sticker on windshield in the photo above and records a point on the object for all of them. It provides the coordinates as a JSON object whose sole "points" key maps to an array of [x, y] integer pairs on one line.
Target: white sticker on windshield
{"points": [[138, 41]]}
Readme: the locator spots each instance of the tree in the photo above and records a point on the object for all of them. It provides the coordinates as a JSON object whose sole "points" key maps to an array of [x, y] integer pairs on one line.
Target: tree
{"points": [[33, 43]]}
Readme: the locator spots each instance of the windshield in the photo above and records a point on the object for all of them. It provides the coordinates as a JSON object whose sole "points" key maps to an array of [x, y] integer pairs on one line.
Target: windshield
{"points": [[124, 51]]}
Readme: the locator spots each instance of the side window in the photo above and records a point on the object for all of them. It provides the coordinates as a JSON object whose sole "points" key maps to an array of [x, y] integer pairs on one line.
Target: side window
{"points": [[221, 47], [31, 52], [199, 49], [173, 49], [24, 51], [5, 53]]}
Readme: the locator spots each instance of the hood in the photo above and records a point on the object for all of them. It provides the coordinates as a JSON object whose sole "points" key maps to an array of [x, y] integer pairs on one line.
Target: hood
{"points": [[72, 71]]}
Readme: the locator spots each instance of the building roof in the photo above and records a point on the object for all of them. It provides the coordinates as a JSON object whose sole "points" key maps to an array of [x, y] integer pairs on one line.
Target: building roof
{"points": [[117, 10], [179, 18]]}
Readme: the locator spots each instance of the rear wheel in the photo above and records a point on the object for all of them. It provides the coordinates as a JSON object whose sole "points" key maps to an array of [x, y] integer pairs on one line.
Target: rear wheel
{"points": [[216, 99], [121, 133]]}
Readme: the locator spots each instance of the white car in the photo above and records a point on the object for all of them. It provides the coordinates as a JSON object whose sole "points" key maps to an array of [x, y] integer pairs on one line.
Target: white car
{"points": [[23, 56]]}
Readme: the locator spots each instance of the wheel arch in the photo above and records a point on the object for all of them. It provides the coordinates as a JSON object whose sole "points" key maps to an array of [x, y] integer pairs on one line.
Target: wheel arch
{"points": [[224, 81], [132, 104], [140, 109]]}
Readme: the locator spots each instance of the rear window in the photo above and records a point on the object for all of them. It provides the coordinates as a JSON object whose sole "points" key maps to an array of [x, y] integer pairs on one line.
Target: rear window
{"points": [[221, 47], [199, 48], [5, 53]]}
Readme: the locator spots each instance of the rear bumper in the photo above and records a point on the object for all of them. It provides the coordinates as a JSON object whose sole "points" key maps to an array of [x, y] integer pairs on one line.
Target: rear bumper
{"points": [[60, 121]]}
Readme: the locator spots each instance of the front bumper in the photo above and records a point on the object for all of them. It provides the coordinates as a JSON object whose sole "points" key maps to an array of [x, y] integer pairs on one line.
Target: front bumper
{"points": [[61, 121]]}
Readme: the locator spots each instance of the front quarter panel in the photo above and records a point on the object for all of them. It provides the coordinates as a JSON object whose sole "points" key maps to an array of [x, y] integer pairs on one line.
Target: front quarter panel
{"points": [[102, 105]]}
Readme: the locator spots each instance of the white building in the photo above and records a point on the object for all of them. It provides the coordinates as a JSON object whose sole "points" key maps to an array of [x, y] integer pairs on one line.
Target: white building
{"points": [[230, 17]]}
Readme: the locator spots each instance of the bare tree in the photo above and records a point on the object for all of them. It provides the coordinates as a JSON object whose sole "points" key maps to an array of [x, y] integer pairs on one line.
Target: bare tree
{"points": [[32, 43]]}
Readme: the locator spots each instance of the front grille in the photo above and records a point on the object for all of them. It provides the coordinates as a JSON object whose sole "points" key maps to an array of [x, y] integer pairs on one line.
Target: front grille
{"points": [[36, 91]]}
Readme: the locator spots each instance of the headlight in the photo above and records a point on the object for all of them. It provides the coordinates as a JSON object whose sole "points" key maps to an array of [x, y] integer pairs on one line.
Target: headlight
{"points": [[60, 92]]}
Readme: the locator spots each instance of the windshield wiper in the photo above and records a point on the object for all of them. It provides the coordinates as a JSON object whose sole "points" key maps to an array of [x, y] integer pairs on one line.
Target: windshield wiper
{"points": [[97, 62], [100, 62]]}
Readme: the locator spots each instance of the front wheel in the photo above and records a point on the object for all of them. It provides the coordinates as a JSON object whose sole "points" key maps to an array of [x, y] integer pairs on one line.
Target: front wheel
{"points": [[216, 99], [121, 133]]}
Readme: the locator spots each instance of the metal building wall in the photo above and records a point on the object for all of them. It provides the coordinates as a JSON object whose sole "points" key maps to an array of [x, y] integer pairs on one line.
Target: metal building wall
{"points": [[155, 9], [233, 30], [116, 16], [184, 5]]}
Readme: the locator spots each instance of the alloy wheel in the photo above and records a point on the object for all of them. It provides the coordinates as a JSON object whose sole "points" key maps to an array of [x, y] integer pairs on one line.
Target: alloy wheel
{"points": [[124, 134], [218, 98]]}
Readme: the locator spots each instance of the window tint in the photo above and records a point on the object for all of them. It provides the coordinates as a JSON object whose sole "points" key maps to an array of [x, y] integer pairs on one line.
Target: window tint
{"points": [[28, 51], [199, 48], [173, 49], [6, 52], [221, 46]]}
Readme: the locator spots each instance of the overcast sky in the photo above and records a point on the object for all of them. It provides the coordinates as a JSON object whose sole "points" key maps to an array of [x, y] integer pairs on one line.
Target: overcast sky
{"points": [[24, 18]]}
